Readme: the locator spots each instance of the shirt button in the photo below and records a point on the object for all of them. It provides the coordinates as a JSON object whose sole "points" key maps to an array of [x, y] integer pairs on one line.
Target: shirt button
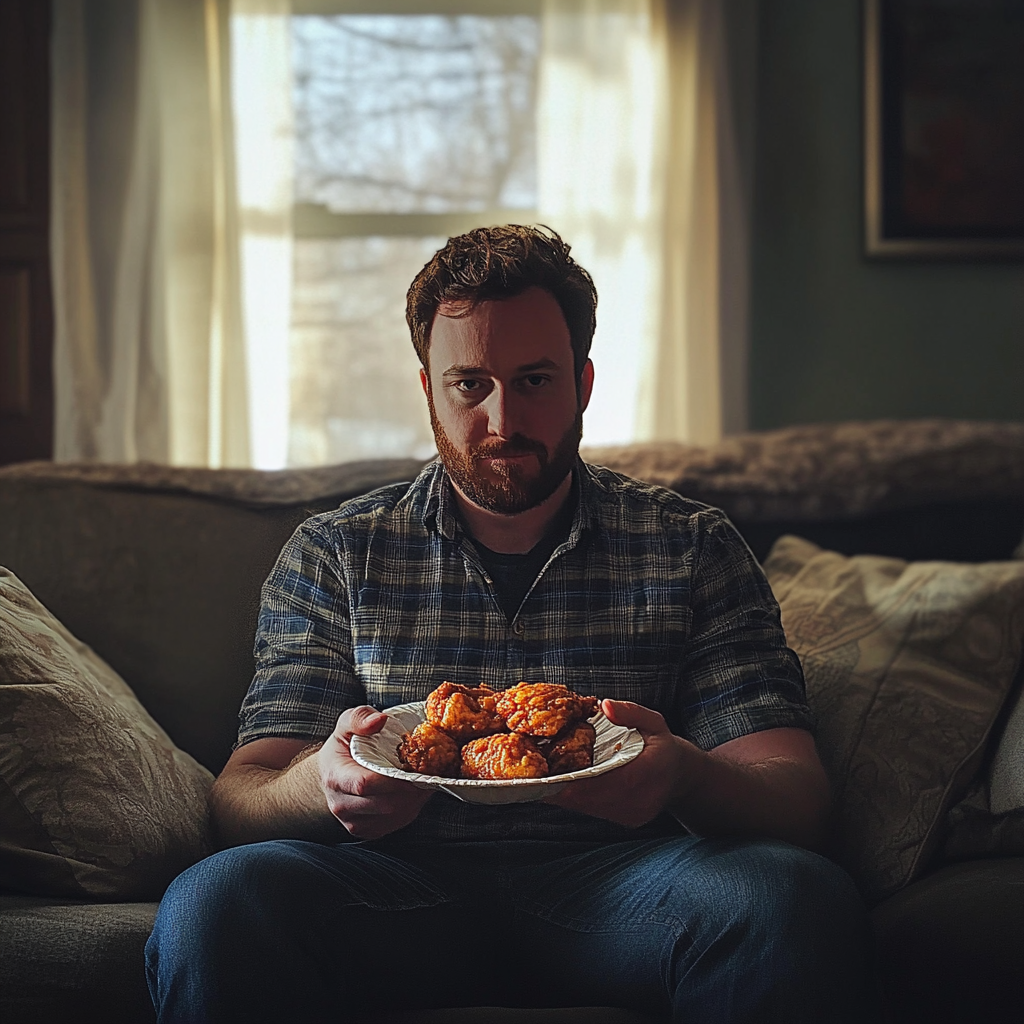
{"points": [[519, 627]]}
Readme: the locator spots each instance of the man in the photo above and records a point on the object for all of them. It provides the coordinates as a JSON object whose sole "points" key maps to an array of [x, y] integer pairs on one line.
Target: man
{"points": [[679, 884]]}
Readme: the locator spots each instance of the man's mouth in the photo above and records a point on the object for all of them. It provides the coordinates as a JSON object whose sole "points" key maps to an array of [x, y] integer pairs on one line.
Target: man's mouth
{"points": [[507, 464], [507, 456], [514, 452]]}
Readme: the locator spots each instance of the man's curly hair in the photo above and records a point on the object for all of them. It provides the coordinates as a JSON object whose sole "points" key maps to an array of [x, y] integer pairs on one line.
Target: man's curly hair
{"points": [[499, 263]]}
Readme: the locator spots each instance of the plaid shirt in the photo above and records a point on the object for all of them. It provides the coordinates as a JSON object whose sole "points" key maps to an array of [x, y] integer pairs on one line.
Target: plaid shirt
{"points": [[652, 598]]}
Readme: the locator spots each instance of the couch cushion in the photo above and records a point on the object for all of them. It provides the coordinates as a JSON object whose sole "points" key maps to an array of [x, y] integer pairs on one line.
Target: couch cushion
{"points": [[951, 946], [907, 667], [68, 960], [95, 799]]}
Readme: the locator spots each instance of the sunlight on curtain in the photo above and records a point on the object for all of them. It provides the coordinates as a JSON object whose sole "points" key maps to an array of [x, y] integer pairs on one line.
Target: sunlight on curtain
{"points": [[681, 394], [628, 174], [601, 81], [264, 143]]}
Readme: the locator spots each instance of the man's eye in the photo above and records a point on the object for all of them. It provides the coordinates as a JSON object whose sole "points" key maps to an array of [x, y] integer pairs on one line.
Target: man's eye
{"points": [[467, 385], [536, 380]]}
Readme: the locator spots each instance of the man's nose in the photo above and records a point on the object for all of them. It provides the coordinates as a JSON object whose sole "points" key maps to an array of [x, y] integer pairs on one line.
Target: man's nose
{"points": [[501, 413]]}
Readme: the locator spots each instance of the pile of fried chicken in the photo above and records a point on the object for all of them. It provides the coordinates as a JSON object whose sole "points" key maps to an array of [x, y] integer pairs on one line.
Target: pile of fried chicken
{"points": [[528, 731]]}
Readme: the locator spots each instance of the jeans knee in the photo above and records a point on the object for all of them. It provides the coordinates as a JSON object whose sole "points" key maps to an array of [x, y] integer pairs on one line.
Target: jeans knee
{"points": [[813, 895], [782, 934], [802, 896], [770, 895], [221, 897]]}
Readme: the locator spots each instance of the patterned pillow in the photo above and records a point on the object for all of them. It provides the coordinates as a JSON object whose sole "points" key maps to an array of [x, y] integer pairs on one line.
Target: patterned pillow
{"points": [[907, 667], [95, 799]]}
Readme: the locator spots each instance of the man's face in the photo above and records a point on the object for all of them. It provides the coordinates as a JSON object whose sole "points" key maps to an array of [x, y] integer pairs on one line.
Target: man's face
{"points": [[503, 403]]}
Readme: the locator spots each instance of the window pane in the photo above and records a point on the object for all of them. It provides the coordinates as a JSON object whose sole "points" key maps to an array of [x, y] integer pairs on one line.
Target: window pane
{"points": [[355, 391], [415, 113]]}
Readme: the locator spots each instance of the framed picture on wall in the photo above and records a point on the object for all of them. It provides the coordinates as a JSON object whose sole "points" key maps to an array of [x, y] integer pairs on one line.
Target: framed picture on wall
{"points": [[944, 128]]}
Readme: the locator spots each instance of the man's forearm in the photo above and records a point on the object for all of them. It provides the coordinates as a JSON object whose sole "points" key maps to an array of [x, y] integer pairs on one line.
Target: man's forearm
{"points": [[251, 802], [779, 797]]}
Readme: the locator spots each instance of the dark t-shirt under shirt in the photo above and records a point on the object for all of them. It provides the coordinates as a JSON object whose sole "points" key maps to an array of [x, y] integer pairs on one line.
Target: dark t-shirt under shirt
{"points": [[513, 575]]}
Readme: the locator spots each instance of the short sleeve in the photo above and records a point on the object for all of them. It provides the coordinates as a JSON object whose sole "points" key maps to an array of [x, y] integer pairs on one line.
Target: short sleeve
{"points": [[740, 676], [304, 673]]}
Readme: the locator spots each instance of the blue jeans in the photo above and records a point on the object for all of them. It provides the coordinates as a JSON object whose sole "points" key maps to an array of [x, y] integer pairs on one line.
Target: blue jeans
{"points": [[687, 929]]}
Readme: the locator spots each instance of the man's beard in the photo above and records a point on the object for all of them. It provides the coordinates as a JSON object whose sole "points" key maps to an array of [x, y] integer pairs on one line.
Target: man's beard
{"points": [[512, 490]]}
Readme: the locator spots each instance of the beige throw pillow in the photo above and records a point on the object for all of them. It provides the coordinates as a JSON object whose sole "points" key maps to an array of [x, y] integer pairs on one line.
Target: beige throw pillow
{"points": [[95, 799], [907, 667]]}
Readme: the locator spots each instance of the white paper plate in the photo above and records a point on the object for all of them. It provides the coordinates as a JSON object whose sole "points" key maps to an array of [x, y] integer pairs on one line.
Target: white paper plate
{"points": [[615, 745]]}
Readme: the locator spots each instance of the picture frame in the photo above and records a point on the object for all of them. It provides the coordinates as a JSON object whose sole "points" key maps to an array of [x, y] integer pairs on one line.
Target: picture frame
{"points": [[944, 129]]}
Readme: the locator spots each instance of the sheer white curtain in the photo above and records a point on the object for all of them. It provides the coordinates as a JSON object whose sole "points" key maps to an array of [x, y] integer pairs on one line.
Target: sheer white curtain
{"points": [[153, 231], [261, 85], [638, 170]]}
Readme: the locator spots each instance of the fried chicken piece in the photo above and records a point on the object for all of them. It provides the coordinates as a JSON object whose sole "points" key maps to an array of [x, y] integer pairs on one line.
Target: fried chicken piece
{"points": [[543, 709], [464, 712], [429, 751], [504, 756], [572, 749]]}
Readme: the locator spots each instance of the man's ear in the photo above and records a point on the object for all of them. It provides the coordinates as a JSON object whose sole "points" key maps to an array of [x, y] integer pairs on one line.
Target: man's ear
{"points": [[424, 382], [586, 384]]}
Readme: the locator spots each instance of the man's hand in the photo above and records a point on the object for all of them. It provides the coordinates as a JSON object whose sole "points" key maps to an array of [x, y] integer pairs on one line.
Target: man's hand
{"points": [[651, 783], [766, 784], [281, 788], [367, 804]]}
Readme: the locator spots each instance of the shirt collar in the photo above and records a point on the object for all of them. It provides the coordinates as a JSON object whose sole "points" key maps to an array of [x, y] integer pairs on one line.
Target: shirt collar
{"points": [[439, 511]]}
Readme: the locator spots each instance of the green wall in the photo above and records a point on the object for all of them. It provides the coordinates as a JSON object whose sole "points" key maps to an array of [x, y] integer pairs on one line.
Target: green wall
{"points": [[834, 335]]}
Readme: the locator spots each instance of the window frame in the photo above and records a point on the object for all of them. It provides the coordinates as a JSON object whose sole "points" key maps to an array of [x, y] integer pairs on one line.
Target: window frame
{"points": [[317, 221]]}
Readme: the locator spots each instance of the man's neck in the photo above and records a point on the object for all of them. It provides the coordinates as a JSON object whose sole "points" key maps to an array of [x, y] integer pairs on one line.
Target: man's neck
{"points": [[515, 534]]}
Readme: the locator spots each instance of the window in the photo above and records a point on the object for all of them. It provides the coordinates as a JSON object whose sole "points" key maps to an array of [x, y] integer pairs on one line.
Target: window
{"points": [[413, 122]]}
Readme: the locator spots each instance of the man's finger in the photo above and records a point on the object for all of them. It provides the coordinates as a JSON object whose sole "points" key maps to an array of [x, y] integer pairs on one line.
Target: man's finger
{"points": [[633, 716], [360, 721]]}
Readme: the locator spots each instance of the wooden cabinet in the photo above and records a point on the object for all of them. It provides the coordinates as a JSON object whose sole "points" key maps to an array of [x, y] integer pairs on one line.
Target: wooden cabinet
{"points": [[26, 311]]}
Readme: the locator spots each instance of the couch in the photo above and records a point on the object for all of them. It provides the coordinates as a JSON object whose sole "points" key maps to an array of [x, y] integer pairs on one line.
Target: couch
{"points": [[894, 549]]}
